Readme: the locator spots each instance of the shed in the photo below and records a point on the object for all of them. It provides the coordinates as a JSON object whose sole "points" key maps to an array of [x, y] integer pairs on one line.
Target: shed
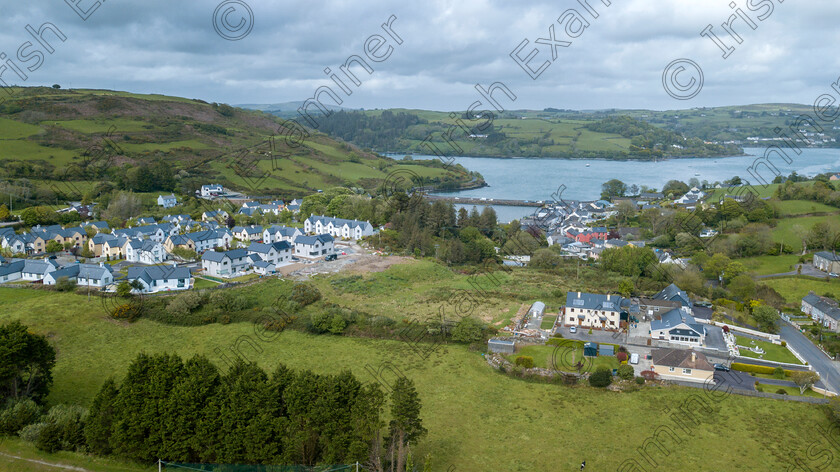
{"points": [[500, 346], [537, 309], [606, 350], [590, 349]]}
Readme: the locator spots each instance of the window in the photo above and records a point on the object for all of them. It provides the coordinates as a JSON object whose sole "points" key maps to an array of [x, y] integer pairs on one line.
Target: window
{"points": [[687, 371], [670, 369]]}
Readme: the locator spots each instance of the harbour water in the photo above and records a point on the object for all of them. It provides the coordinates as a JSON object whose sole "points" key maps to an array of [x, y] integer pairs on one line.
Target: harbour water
{"points": [[580, 179]]}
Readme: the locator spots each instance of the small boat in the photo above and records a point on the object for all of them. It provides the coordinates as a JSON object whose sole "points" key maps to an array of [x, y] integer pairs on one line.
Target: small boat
{"points": [[587, 165], [696, 174]]}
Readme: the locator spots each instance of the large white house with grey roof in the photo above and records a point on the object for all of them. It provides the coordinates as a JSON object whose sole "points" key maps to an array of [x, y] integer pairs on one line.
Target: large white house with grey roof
{"points": [[679, 327], [161, 278], [225, 264], [274, 253], [274, 234], [314, 246], [338, 227], [592, 310]]}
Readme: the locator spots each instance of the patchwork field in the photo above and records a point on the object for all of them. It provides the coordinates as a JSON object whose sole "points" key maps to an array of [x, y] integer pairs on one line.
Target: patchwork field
{"points": [[477, 418], [794, 288]]}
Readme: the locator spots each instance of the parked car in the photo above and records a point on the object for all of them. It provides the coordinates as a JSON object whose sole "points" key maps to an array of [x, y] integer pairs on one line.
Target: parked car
{"points": [[573, 329], [721, 367], [634, 358], [832, 274], [331, 257]]}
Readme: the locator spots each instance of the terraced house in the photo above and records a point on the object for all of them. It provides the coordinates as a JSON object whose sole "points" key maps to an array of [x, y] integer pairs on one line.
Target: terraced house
{"points": [[823, 310], [591, 310], [338, 227]]}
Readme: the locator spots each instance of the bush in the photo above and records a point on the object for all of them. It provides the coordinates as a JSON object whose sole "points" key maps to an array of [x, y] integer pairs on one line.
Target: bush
{"points": [[784, 343], [18, 414], [305, 294], [640, 380], [626, 372], [779, 373], [756, 369], [468, 330], [602, 377], [781, 391], [621, 356], [759, 388], [649, 375], [64, 284], [183, 305], [49, 438], [525, 361]]}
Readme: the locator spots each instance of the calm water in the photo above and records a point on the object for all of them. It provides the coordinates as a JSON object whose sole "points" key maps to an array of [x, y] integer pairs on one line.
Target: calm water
{"points": [[537, 179]]}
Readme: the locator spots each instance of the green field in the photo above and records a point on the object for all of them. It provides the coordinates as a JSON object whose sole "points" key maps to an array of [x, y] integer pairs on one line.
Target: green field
{"points": [[469, 409], [772, 352], [793, 288], [790, 390], [803, 207], [766, 265], [785, 230], [564, 357]]}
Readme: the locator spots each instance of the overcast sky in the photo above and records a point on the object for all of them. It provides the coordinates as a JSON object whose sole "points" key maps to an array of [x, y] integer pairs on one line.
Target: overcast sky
{"points": [[171, 47]]}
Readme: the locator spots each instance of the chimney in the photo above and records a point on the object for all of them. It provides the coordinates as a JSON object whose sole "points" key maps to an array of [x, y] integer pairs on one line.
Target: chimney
{"points": [[693, 356], [608, 297], [578, 294]]}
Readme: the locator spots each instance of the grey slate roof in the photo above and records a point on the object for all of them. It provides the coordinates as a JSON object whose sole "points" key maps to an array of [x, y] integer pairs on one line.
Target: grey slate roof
{"points": [[673, 293], [593, 301], [675, 317], [827, 306], [680, 358], [310, 240], [150, 273]]}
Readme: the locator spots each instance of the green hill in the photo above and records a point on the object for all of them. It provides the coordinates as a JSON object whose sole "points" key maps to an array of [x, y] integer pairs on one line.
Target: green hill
{"points": [[57, 143]]}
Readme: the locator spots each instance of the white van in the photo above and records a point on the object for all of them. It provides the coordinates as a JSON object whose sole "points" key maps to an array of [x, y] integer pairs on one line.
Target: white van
{"points": [[634, 358]]}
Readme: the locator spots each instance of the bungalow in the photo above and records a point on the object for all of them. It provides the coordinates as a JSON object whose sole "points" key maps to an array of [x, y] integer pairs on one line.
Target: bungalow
{"points": [[274, 234], [264, 268], [827, 262], [144, 251], [26, 269], [225, 264], [167, 201], [681, 364], [691, 197], [87, 275], [161, 278], [314, 246], [823, 310], [592, 310], [275, 253], [248, 233], [678, 327]]}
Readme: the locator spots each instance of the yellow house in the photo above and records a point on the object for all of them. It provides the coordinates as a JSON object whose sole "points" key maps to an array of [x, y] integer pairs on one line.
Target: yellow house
{"points": [[682, 364]]}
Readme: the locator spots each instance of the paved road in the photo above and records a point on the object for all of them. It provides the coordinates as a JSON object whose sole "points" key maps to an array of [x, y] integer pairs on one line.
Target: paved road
{"points": [[807, 269], [827, 369]]}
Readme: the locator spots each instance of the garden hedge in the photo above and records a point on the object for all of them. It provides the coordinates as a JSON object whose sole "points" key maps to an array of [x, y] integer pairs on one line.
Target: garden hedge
{"points": [[756, 369]]}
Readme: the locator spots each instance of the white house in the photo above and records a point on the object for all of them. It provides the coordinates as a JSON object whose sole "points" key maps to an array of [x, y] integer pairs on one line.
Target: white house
{"points": [[691, 197], [86, 275], [214, 215], [211, 190], [145, 251], [248, 233], [338, 227], [225, 264], [314, 246], [167, 201], [26, 269], [274, 234], [823, 310], [274, 253], [264, 268], [161, 278], [677, 326]]}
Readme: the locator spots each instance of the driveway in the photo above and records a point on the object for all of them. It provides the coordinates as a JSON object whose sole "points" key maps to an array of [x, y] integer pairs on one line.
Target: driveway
{"points": [[829, 373], [714, 338], [807, 269], [735, 379]]}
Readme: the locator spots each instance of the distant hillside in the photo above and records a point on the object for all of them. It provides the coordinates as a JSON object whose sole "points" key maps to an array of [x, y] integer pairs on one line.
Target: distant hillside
{"points": [[515, 135], [99, 140]]}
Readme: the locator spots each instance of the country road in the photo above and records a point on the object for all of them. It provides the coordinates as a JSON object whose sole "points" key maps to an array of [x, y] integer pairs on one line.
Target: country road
{"points": [[829, 373]]}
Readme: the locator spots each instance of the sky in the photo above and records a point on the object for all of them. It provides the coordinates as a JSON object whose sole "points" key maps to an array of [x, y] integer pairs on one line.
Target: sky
{"points": [[266, 51]]}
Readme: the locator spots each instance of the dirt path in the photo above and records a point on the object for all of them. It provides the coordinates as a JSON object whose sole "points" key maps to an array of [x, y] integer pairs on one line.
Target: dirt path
{"points": [[48, 464]]}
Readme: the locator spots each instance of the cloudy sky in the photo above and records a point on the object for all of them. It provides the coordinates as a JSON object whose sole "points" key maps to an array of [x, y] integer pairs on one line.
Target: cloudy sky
{"points": [[178, 48]]}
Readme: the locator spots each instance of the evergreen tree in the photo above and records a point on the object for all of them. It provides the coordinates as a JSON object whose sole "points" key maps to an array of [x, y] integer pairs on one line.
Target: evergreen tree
{"points": [[100, 420], [406, 425]]}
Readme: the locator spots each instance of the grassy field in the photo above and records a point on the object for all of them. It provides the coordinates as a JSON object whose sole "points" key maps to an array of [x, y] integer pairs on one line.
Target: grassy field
{"points": [[803, 207], [785, 230], [565, 357], [789, 390], [476, 416], [793, 288], [766, 265], [772, 352]]}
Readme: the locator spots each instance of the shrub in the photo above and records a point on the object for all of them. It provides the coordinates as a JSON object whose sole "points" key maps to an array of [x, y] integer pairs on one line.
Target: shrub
{"points": [[784, 343], [64, 284], [779, 373], [18, 414], [525, 361], [781, 391], [756, 369], [602, 377], [49, 438], [626, 372], [640, 380], [468, 330], [183, 305], [649, 375], [621, 356], [127, 311], [305, 294], [759, 388]]}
